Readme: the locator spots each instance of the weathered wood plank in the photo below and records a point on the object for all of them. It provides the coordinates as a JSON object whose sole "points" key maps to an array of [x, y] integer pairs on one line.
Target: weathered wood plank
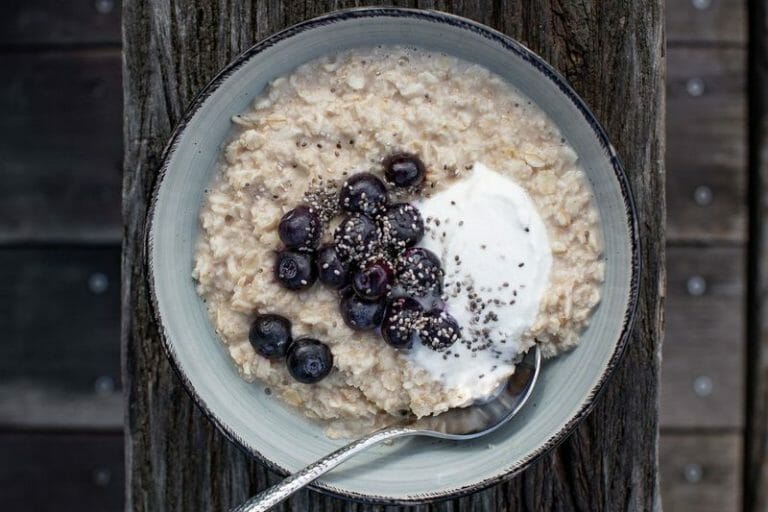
{"points": [[707, 145], [66, 473], [60, 317], [707, 21], [756, 438], [53, 22], [84, 472], [611, 54], [701, 472], [60, 146], [704, 353], [30, 405]]}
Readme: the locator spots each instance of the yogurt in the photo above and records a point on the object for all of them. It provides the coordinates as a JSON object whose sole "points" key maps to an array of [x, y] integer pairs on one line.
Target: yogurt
{"points": [[495, 252]]}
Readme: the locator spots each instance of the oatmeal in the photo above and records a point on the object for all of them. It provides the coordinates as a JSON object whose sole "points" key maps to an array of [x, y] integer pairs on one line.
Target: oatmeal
{"points": [[311, 133]]}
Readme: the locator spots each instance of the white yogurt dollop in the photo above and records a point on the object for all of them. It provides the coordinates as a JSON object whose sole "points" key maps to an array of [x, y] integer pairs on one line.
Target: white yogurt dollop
{"points": [[495, 252]]}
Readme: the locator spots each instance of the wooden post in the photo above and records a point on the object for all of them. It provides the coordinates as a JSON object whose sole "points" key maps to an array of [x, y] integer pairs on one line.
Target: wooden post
{"points": [[612, 53]]}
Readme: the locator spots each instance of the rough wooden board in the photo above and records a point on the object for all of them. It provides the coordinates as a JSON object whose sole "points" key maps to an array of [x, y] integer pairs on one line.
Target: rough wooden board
{"points": [[65, 473], [720, 22], [57, 332], [707, 145], [37, 407], [717, 455], [612, 55], [701, 472], [704, 339], [53, 22], [60, 146], [756, 438]]}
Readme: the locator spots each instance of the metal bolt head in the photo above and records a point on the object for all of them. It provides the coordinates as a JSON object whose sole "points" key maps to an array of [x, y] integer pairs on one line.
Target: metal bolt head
{"points": [[98, 283], [695, 87], [701, 4], [696, 286], [104, 6], [702, 195], [693, 473], [102, 477], [703, 386], [104, 385]]}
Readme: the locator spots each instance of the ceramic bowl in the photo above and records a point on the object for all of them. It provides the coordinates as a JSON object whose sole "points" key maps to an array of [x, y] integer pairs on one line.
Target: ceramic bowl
{"points": [[414, 470]]}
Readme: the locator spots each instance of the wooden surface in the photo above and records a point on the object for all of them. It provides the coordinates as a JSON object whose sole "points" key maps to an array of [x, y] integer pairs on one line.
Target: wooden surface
{"points": [[53, 22], [697, 472], [172, 49], [693, 22], [60, 152], [706, 148], [73, 32], [704, 340], [60, 365], [61, 443], [704, 356], [66, 473]]}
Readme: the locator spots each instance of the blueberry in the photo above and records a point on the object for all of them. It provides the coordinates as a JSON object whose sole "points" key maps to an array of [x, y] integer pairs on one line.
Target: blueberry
{"points": [[357, 237], [331, 269], [404, 170], [360, 314], [401, 226], [373, 280], [309, 360], [295, 270], [440, 330], [300, 228], [270, 335], [363, 193], [419, 272], [403, 319]]}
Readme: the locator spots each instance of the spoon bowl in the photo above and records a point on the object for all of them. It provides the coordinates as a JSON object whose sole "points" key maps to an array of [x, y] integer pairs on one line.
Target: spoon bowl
{"points": [[456, 424]]}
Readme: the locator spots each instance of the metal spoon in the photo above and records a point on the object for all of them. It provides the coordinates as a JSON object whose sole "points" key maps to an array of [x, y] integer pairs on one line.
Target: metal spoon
{"points": [[456, 424]]}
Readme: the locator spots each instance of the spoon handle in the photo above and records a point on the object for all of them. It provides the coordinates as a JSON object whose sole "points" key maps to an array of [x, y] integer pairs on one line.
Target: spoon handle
{"points": [[277, 493]]}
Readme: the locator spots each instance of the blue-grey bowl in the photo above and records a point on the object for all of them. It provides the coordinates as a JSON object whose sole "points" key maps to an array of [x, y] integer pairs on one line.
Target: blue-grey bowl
{"points": [[416, 470]]}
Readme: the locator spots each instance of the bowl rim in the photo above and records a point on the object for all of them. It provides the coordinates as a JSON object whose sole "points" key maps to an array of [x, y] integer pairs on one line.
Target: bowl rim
{"points": [[548, 73]]}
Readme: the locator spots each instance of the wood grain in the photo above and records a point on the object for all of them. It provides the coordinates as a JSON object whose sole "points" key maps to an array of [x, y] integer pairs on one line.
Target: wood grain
{"points": [[76, 485], [53, 22], [613, 57], [721, 22], [60, 146], [701, 472], [707, 145], [704, 340], [65, 473]]}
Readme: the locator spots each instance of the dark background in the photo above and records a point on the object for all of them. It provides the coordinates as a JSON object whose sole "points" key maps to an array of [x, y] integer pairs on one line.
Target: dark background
{"points": [[60, 179], [61, 409]]}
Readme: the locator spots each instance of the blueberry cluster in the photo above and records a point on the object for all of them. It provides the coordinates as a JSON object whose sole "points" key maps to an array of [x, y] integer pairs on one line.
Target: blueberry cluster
{"points": [[308, 360], [381, 277]]}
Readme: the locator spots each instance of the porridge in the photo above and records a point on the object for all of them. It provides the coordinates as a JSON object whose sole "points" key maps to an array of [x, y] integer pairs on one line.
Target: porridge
{"points": [[390, 230]]}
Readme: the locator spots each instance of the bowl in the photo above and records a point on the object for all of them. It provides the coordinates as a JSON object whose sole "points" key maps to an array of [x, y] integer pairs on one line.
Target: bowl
{"points": [[414, 470]]}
